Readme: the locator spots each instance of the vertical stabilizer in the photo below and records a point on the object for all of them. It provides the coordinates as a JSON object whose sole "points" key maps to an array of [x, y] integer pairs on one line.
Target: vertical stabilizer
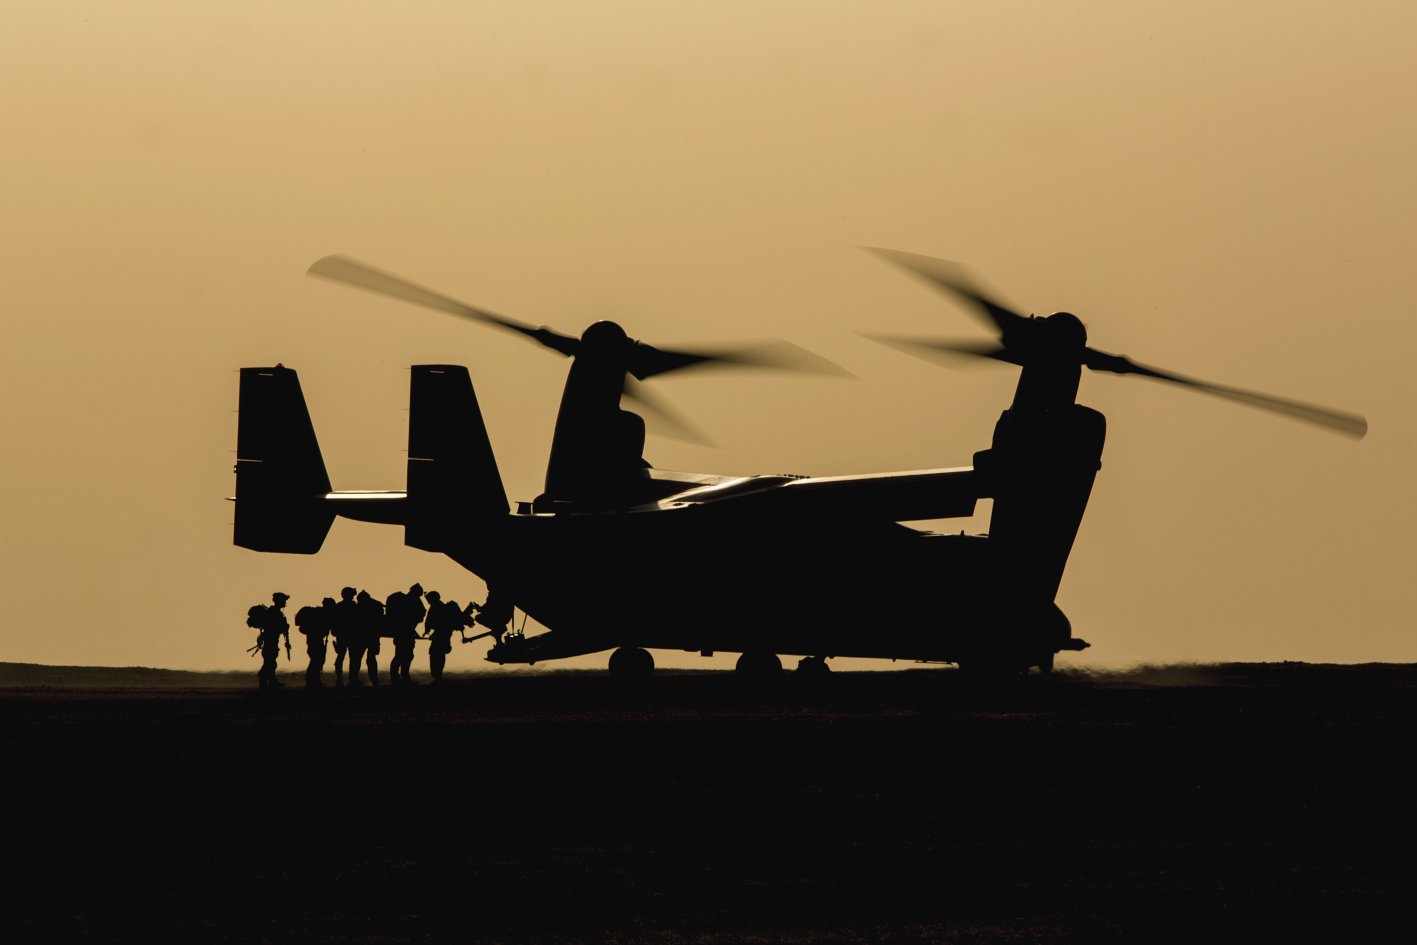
{"points": [[453, 482], [281, 481]]}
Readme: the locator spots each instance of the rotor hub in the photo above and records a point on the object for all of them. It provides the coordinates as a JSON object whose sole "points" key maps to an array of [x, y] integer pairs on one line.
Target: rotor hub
{"points": [[604, 336], [1067, 329]]}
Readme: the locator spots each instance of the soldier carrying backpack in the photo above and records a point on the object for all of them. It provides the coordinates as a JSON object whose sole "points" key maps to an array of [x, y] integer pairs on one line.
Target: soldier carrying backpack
{"points": [[403, 612], [270, 621], [316, 623]]}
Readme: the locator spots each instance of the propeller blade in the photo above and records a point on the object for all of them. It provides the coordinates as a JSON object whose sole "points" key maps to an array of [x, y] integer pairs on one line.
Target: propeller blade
{"points": [[941, 350], [351, 272], [953, 278], [1347, 423], [661, 419], [647, 361]]}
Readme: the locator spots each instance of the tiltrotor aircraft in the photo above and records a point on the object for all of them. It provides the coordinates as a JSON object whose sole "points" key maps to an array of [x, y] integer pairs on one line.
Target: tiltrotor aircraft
{"points": [[618, 555]]}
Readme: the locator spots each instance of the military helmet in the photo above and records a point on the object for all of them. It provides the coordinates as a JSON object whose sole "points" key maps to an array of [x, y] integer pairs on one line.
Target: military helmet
{"points": [[346, 592], [416, 590], [433, 595], [278, 596]]}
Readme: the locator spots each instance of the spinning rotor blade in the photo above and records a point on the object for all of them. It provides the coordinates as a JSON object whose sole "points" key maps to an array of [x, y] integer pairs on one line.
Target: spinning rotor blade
{"points": [[942, 351], [346, 270], [643, 361], [647, 361], [1350, 424], [661, 419], [954, 279], [1023, 339]]}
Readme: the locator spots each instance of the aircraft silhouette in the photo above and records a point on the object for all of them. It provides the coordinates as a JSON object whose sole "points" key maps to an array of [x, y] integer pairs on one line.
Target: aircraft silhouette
{"points": [[617, 555]]}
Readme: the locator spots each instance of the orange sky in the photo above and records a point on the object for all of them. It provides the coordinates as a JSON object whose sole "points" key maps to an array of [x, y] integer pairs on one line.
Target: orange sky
{"points": [[1226, 193]]}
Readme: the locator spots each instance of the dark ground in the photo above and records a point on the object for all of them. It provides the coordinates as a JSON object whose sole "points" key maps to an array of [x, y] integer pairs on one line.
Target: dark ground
{"points": [[1233, 803]]}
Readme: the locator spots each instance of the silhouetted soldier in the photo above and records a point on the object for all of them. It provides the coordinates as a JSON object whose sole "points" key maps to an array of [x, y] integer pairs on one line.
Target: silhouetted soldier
{"points": [[344, 628], [403, 612], [495, 613], [370, 627], [273, 625], [443, 618], [316, 623]]}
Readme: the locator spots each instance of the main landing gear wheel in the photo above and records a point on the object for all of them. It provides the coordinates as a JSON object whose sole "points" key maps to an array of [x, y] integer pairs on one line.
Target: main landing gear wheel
{"points": [[758, 665], [813, 667], [631, 663]]}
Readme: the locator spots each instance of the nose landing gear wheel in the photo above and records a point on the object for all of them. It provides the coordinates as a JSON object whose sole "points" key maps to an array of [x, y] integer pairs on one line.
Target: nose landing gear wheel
{"points": [[631, 663]]}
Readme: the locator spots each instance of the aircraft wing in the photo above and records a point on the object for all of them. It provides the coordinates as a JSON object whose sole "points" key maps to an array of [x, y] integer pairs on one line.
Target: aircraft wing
{"points": [[895, 496]]}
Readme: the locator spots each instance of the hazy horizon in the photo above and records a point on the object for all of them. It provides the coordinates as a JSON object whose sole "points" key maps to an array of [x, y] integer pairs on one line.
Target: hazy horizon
{"points": [[1223, 192]]}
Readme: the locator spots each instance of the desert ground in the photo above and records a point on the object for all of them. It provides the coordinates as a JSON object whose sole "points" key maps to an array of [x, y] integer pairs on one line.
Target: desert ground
{"points": [[1227, 803]]}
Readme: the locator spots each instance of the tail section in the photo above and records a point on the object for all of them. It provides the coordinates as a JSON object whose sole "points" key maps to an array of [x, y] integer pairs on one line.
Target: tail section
{"points": [[281, 481], [453, 483]]}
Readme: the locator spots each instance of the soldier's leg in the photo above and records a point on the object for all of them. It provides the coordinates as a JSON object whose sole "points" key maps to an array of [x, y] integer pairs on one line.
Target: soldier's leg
{"points": [[271, 678], [339, 663], [436, 660], [373, 666], [356, 664], [267, 676]]}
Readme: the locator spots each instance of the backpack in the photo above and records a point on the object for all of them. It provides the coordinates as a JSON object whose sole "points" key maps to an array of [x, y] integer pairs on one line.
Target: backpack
{"points": [[402, 608], [256, 616]]}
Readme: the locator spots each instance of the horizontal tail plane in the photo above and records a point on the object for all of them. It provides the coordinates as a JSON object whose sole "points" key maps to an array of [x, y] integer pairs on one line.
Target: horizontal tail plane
{"points": [[284, 501]]}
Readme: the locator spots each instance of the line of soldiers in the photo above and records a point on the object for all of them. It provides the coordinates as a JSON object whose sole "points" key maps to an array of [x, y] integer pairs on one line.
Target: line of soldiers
{"points": [[355, 624]]}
